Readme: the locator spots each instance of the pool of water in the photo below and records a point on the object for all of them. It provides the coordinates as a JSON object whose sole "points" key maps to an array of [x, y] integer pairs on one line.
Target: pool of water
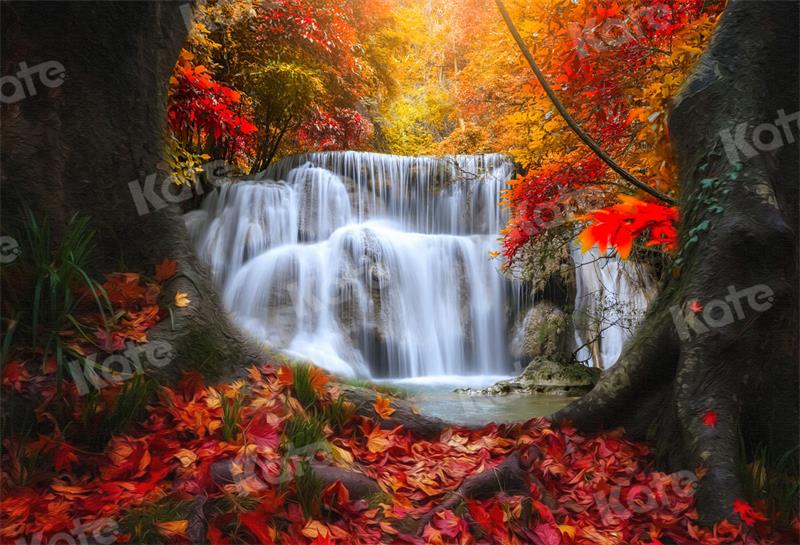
{"points": [[434, 396]]}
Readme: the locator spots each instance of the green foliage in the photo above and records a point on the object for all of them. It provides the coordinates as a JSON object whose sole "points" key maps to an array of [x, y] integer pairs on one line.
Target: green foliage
{"points": [[302, 385], [772, 477], [338, 413], [231, 414], [283, 90], [302, 431], [47, 284], [418, 120], [142, 522], [308, 490]]}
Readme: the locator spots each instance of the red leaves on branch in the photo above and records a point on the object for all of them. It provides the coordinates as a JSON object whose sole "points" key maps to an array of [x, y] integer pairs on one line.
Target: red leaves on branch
{"points": [[617, 65], [342, 129], [200, 109], [620, 225]]}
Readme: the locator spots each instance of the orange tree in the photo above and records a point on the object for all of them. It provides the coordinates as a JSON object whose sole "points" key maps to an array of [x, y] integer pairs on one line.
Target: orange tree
{"points": [[615, 66]]}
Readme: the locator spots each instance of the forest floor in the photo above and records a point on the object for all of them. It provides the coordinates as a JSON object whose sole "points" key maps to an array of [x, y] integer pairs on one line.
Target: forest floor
{"points": [[279, 456]]}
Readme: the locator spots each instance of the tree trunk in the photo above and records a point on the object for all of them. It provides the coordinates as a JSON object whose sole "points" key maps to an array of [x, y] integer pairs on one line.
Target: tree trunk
{"points": [[709, 347], [93, 144]]}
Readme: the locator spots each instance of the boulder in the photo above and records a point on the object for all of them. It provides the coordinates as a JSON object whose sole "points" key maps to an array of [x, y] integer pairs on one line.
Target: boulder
{"points": [[544, 332], [544, 376]]}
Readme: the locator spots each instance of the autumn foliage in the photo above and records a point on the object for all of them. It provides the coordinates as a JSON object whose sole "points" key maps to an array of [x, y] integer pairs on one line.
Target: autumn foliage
{"points": [[617, 65], [206, 115]]}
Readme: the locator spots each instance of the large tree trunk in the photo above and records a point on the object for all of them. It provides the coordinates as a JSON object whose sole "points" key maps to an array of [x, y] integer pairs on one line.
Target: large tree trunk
{"points": [[685, 362], [91, 144]]}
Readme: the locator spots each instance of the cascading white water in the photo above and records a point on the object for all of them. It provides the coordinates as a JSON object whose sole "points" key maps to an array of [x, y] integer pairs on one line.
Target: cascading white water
{"points": [[611, 297], [367, 264], [378, 266]]}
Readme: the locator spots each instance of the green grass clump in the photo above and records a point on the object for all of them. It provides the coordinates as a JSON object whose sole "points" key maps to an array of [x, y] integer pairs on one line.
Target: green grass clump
{"points": [[141, 523], [308, 490], [231, 414], [303, 386], [47, 284], [773, 478], [387, 389], [302, 431], [338, 413]]}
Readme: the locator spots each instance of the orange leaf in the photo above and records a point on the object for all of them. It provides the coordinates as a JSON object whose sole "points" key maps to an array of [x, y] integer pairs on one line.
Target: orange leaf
{"points": [[181, 300], [166, 269], [378, 440], [319, 379], [173, 528], [285, 376], [383, 407], [64, 457]]}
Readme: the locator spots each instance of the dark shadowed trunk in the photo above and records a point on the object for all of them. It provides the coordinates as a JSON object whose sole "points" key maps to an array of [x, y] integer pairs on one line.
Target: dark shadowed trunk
{"points": [[721, 339], [93, 144]]}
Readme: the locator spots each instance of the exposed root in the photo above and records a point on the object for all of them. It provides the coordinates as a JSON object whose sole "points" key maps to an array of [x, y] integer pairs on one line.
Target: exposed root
{"points": [[357, 484], [197, 529], [424, 427], [512, 476]]}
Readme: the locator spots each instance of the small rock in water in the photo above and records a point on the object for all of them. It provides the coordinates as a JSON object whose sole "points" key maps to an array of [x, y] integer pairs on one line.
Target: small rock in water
{"points": [[544, 376]]}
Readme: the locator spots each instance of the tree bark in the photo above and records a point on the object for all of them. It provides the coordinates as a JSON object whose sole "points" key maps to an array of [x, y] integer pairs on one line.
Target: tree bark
{"points": [[739, 225], [90, 145]]}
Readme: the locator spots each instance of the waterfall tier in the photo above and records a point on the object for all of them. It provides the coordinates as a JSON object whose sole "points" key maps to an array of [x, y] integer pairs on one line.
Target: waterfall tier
{"points": [[378, 266], [367, 264]]}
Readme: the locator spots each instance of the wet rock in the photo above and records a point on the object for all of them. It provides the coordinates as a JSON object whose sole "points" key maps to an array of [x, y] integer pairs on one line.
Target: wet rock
{"points": [[544, 332], [544, 376]]}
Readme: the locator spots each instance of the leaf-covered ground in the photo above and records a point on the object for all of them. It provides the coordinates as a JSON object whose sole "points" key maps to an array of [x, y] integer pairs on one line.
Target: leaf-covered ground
{"points": [[239, 462]]}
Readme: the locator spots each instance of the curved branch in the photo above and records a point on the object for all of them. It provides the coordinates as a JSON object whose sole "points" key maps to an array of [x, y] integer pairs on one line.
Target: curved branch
{"points": [[571, 121]]}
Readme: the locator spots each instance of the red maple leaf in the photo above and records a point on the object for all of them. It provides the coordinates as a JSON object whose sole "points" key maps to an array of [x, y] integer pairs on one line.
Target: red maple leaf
{"points": [[64, 457], [710, 418], [748, 513]]}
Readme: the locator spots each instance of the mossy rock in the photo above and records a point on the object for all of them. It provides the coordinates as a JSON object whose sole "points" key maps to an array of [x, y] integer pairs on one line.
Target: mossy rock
{"points": [[544, 376], [547, 376]]}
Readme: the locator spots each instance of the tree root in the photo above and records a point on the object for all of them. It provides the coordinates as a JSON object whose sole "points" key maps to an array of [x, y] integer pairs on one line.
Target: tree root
{"points": [[424, 427], [512, 476], [357, 484]]}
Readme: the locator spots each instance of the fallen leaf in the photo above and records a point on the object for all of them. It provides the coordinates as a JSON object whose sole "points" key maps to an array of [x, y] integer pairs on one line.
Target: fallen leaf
{"points": [[166, 269], [383, 407]]}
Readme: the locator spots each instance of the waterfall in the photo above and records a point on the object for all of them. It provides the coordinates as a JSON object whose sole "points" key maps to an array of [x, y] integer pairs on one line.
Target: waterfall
{"points": [[367, 264], [611, 297]]}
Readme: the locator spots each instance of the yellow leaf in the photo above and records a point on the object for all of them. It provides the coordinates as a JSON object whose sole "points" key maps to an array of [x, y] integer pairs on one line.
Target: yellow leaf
{"points": [[567, 530], [186, 457], [314, 528], [182, 299], [341, 455], [173, 528]]}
